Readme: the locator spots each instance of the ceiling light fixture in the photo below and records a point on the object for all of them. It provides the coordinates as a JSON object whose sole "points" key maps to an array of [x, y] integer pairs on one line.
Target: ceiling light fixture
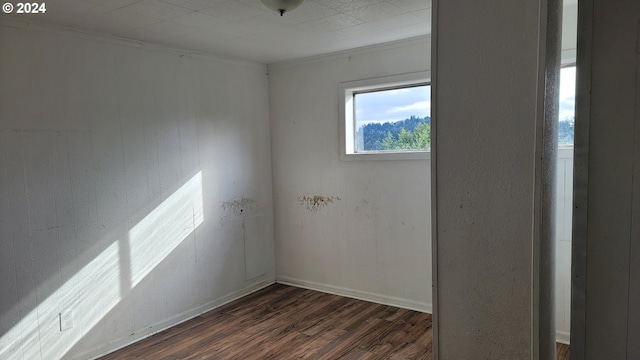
{"points": [[282, 6]]}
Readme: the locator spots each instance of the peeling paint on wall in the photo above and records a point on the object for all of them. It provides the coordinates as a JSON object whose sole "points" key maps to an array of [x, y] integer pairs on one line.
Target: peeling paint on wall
{"points": [[316, 202], [238, 206]]}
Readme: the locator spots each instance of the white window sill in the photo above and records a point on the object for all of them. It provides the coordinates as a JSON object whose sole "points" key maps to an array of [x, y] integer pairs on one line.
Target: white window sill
{"points": [[405, 155]]}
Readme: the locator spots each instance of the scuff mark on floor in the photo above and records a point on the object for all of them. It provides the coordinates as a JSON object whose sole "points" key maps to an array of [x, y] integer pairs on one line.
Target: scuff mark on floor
{"points": [[316, 202]]}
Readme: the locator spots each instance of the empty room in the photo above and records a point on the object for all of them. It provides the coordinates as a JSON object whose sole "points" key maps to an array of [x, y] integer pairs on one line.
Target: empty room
{"points": [[319, 179]]}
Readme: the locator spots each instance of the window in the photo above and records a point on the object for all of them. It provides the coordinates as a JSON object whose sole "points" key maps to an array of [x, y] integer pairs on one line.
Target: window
{"points": [[386, 118], [566, 118], [389, 117]]}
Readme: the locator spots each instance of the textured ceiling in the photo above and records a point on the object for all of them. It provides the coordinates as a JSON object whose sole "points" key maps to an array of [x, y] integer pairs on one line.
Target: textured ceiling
{"points": [[245, 29]]}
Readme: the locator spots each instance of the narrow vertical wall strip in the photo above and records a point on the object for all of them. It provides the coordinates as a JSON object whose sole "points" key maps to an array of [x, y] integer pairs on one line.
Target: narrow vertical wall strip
{"points": [[581, 180], [543, 312], [633, 325], [434, 179]]}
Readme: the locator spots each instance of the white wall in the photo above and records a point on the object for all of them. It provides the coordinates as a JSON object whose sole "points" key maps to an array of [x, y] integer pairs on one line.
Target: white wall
{"points": [[564, 208], [492, 205], [373, 240], [134, 183], [102, 142], [344, 246]]}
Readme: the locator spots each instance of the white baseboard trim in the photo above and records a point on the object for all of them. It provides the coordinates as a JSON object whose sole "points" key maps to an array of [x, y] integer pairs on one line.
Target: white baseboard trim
{"points": [[563, 337], [356, 294], [174, 320]]}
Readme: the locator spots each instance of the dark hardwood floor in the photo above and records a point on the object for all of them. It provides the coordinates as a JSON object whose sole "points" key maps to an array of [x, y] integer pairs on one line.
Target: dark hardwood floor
{"points": [[562, 352], [284, 322]]}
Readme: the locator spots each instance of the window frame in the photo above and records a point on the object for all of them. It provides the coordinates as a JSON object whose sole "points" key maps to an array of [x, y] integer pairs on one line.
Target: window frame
{"points": [[347, 92]]}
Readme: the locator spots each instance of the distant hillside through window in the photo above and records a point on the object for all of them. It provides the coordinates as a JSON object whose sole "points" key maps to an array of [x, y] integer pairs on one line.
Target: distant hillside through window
{"points": [[413, 133]]}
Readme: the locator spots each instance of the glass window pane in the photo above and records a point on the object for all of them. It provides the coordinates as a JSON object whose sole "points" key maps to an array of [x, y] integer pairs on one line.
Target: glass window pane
{"points": [[392, 120], [566, 117]]}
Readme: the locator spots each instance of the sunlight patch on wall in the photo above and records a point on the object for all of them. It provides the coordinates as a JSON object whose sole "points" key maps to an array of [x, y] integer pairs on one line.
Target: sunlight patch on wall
{"points": [[160, 232], [38, 334], [96, 289]]}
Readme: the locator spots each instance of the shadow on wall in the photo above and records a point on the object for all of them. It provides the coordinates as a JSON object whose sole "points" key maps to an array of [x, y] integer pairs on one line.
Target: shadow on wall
{"points": [[108, 270]]}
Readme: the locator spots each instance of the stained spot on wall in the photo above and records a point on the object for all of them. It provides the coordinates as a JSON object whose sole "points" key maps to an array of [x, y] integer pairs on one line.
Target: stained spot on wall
{"points": [[238, 206], [316, 202]]}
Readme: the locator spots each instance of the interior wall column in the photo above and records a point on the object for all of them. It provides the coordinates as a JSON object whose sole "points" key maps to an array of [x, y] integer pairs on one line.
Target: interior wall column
{"points": [[605, 304], [494, 139]]}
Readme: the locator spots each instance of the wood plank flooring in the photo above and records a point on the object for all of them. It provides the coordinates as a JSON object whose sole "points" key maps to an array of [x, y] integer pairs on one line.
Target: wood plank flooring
{"points": [[562, 352], [284, 322]]}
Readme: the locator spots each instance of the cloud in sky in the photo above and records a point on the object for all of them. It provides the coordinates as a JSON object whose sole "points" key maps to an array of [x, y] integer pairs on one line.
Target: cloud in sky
{"points": [[392, 105], [567, 92], [420, 106]]}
